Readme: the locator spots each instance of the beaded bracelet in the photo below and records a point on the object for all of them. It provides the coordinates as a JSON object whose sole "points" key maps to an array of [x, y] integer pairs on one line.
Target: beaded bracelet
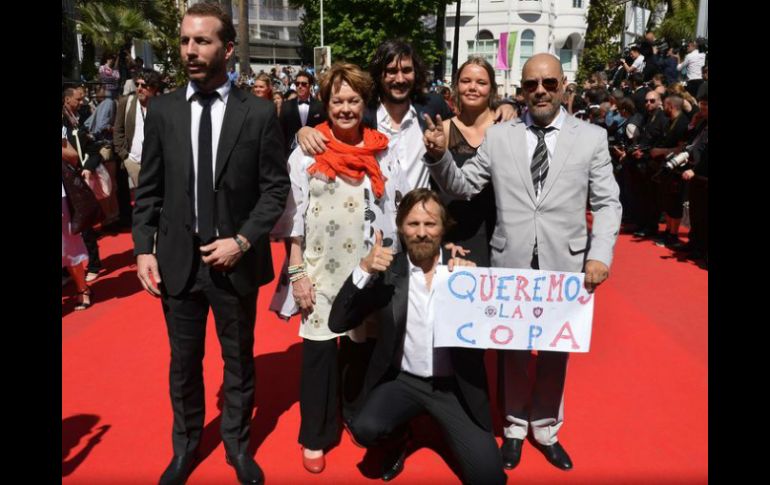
{"points": [[299, 268], [297, 277]]}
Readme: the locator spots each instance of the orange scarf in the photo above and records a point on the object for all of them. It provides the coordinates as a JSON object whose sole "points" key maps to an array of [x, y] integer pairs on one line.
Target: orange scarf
{"points": [[354, 162]]}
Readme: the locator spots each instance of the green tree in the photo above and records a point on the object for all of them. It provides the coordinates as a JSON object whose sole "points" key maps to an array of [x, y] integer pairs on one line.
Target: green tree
{"points": [[602, 42], [112, 27], [354, 28], [680, 22]]}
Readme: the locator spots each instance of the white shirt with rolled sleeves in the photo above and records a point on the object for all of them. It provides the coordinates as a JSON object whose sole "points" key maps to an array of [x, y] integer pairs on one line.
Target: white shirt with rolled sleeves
{"points": [[418, 356]]}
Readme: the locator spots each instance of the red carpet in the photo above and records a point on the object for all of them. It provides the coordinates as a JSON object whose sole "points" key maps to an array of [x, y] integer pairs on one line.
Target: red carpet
{"points": [[636, 406]]}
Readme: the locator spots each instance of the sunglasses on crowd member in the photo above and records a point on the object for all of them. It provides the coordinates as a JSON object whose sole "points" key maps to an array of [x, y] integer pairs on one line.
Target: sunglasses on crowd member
{"points": [[142, 84], [549, 83], [302, 83], [648, 101]]}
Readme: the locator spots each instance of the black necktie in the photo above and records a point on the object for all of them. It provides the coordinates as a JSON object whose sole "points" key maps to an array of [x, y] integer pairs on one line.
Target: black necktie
{"points": [[205, 176], [307, 102], [539, 166]]}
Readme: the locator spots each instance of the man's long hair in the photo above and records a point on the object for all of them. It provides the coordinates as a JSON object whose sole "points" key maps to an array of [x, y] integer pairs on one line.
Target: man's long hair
{"points": [[396, 49]]}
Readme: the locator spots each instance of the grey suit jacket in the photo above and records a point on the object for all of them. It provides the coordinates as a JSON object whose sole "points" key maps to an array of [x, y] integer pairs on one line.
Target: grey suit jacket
{"points": [[125, 124], [580, 171]]}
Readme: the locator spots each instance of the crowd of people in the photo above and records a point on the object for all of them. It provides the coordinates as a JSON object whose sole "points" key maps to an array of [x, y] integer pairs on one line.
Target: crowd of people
{"points": [[372, 181], [652, 114]]}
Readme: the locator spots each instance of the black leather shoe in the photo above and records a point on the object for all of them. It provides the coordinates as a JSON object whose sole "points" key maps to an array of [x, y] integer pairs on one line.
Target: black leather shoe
{"points": [[556, 455], [246, 469], [511, 451], [393, 464], [179, 469]]}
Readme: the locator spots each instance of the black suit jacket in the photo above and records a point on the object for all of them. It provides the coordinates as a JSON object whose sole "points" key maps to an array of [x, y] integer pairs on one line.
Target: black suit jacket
{"points": [[431, 104], [291, 122], [251, 186], [389, 296]]}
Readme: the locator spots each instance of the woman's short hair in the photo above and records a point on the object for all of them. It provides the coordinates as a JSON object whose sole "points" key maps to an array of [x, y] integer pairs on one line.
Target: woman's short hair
{"points": [[359, 81]]}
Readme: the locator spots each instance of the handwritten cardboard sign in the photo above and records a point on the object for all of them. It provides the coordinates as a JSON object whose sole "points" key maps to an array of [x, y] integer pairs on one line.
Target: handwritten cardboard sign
{"points": [[504, 308]]}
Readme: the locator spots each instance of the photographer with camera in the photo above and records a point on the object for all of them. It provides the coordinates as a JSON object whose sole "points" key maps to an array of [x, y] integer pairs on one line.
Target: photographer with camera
{"points": [[620, 138], [696, 177], [638, 61], [638, 92], [670, 188], [693, 62], [643, 166]]}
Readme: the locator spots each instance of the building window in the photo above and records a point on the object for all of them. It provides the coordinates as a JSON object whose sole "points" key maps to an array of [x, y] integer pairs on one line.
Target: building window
{"points": [[577, 3], [486, 47], [271, 32], [527, 46]]}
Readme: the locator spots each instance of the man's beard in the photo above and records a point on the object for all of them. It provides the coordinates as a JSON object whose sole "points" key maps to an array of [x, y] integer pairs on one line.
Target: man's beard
{"points": [[420, 250], [391, 99], [543, 116]]}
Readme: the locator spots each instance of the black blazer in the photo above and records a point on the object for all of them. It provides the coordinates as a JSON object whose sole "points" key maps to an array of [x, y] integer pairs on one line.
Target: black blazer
{"points": [[389, 295], [431, 104], [251, 187], [291, 122]]}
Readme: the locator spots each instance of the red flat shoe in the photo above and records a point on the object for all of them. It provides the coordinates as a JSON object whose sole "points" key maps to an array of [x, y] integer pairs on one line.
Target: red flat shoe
{"points": [[313, 465]]}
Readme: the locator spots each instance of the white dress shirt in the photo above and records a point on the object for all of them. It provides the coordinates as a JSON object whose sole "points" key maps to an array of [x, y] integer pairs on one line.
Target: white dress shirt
{"points": [[135, 154], [694, 62], [217, 117], [550, 139], [304, 109], [406, 144], [417, 354]]}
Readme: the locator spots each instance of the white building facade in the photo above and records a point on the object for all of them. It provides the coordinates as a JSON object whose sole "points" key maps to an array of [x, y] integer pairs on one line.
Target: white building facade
{"points": [[555, 26]]}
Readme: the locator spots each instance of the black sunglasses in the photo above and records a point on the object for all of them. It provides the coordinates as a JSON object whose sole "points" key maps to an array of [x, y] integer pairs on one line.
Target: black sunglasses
{"points": [[302, 83], [550, 84], [647, 101]]}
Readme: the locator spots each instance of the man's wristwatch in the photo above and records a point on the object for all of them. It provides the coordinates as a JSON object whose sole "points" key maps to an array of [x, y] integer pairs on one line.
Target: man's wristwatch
{"points": [[243, 246]]}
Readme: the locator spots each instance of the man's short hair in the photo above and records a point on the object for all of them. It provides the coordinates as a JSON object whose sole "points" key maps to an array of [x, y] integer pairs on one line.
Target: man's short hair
{"points": [[396, 49], [636, 79], [358, 80], [627, 105], [214, 9], [151, 77], [421, 196], [637, 49], [676, 101], [306, 74]]}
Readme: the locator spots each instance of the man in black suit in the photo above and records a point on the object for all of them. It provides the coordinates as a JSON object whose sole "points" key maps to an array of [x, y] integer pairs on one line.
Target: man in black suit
{"points": [[304, 110], [213, 183], [407, 375]]}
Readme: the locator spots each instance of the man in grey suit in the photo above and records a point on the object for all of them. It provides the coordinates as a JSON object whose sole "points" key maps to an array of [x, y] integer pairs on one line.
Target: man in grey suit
{"points": [[128, 139], [544, 168]]}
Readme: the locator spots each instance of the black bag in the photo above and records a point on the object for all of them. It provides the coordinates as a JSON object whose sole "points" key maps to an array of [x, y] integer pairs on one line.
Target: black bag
{"points": [[85, 210]]}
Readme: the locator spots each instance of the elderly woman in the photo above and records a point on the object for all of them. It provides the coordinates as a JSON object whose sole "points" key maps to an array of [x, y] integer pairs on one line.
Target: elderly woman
{"points": [[342, 201]]}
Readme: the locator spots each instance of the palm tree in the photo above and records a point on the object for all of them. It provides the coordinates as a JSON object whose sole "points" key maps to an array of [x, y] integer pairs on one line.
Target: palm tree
{"points": [[112, 27], [680, 22]]}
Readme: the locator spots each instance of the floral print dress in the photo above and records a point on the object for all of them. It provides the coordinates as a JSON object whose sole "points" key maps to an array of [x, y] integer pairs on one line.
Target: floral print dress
{"points": [[337, 220]]}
